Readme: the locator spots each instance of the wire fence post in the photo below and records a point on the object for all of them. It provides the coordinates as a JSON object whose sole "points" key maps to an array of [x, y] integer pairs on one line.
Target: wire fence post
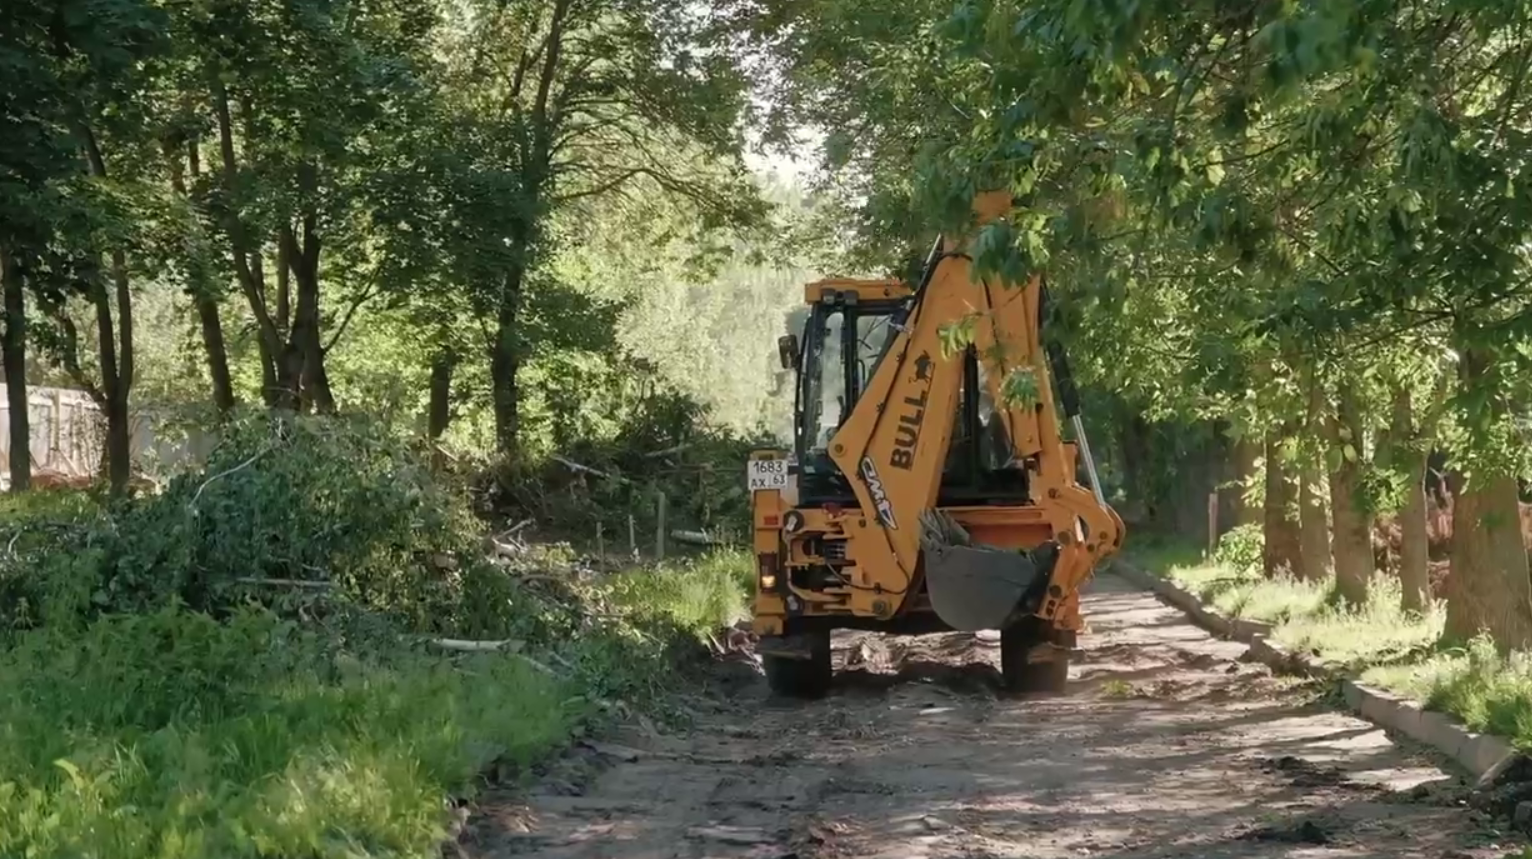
{"points": [[1212, 523], [659, 523]]}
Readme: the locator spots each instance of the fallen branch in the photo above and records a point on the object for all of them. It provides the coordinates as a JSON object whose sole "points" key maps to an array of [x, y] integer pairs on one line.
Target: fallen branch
{"points": [[498, 545], [695, 538], [578, 467], [504, 550], [669, 450], [226, 472], [285, 583], [509, 646], [534, 663], [470, 646]]}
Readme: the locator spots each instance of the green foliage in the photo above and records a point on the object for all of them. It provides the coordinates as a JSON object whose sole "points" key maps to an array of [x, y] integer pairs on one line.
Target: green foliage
{"points": [[1232, 207], [1240, 549], [699, 597], [251, 737], [1307, 617], [668, 610], [1117, 688], [1490, 692], [237, 718], [339, 503], [663, 445], [1020, 389], [1377, 632]]}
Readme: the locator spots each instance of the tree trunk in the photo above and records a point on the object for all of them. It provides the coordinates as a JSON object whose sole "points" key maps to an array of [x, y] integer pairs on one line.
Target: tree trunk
{"points": [[199, 285], [303, 355], [1313, 522], [1139, 508], [247, 259], [217, 353], [439, 415], [1352, 542], [1488, 589], [1228, 484], [1415, 544], [305, 348], [271, 382], [14, 355], [117, 451], [116, 359], [288, 357], [1313, 518], [1246, 451], [316, 379], [1283, 543], [505, 362], [1414, 540]]}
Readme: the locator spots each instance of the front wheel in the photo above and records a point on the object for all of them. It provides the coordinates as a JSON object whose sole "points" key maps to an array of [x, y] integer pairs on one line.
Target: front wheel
{"points": [[802, 675], [1016, 645]]}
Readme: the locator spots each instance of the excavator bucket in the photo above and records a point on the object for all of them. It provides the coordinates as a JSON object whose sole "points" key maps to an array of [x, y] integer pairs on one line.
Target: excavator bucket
{"points": [[978, 588]]}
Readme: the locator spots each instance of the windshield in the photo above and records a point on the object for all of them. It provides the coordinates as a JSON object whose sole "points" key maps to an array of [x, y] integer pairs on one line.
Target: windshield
{"points": [[832, 385], [843, 346]]}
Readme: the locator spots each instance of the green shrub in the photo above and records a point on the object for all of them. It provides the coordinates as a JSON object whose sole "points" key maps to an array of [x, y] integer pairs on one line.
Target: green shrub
{"points": [[699, 469], [1240, 549], [336, 502], [667, 611]]}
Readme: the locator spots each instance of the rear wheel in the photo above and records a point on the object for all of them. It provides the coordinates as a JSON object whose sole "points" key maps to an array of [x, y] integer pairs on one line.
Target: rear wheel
{"points": [[799, 677], [1021, 676]]}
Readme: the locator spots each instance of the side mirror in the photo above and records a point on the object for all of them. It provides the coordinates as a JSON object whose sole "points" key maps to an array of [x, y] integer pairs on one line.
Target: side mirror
{"points": [[787, 351]]}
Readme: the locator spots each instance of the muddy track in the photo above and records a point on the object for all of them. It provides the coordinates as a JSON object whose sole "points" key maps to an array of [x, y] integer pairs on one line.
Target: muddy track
{"points": [[1166, 745]]}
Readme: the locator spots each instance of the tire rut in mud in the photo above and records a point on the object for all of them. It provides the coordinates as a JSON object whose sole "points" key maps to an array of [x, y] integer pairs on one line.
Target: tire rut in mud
{"points": [[1165, 745]]}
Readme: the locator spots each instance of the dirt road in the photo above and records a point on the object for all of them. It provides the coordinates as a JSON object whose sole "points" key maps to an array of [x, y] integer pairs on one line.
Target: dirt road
{"points": [[1165, 746]]}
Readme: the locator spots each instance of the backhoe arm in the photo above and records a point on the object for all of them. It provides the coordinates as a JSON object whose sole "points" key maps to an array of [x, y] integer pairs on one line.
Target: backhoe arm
{"points": [[893, 446]]}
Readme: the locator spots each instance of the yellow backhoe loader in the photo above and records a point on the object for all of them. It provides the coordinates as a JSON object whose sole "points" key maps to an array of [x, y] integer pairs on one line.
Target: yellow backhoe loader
{"points": [[925, 491]]}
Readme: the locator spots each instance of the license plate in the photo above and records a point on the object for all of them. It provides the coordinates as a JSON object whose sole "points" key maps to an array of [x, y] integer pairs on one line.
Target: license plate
{"points": [[767, 474]]}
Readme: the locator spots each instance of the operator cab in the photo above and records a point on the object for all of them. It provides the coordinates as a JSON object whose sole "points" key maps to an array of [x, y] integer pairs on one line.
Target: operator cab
{"points": [[847, 334]]}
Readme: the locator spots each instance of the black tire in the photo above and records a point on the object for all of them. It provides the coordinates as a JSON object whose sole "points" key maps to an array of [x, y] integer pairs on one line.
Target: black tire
{"points": [[1021, 676], [802, 678]]}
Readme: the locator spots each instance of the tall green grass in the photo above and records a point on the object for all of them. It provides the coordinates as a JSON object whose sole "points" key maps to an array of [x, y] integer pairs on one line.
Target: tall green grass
{"points": [[1385, 646], [173, 735], [695, 595], [1488, 691], [1306, 615]]}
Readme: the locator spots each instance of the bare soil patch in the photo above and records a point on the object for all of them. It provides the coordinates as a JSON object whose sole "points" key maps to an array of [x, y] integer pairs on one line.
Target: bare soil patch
{"points": [[918, 754]]}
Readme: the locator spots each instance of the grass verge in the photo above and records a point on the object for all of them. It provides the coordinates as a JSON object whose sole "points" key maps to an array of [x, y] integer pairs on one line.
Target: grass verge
{"points": [[172, 734], [1378, 643]]}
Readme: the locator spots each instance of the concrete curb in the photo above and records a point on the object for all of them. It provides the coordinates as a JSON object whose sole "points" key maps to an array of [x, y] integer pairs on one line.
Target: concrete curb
{"points": [[1485, 756]]}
